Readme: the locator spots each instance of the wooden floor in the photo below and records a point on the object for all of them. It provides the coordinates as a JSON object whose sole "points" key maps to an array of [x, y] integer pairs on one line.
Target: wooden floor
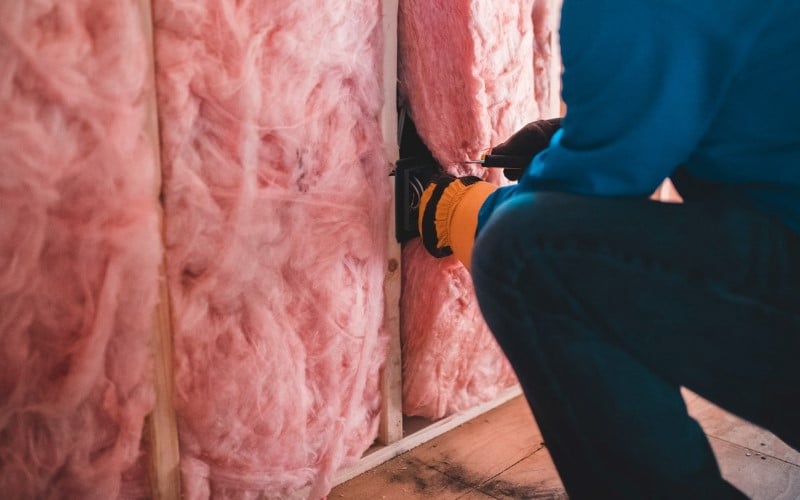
{"points": [[500, 455]]}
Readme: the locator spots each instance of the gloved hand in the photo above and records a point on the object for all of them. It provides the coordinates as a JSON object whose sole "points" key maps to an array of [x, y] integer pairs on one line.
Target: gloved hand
{"points": [[527, 142], [448, 215]]}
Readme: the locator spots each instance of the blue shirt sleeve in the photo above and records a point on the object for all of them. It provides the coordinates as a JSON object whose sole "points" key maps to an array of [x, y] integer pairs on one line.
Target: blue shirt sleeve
{"points": [[642, 82]]}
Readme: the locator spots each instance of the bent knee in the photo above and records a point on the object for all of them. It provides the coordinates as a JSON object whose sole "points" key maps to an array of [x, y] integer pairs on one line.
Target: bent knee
{"points": [[526, 216]]}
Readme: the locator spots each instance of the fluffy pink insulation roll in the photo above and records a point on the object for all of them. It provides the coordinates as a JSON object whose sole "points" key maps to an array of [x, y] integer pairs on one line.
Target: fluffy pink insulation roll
{"points": [[79, 248], [276, 199], [467, 75]]}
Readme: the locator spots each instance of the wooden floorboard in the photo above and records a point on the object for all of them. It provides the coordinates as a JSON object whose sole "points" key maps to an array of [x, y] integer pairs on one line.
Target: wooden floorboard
{"points": [[500, 455], [485, 446], [401, 478], [759, 476], [723, 425], [532, 477], [476, 495]]}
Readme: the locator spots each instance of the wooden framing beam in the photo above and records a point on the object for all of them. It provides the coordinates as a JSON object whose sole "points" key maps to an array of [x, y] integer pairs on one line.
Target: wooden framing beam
{"points": [[390, 428], [380, 454], [161, 424]]}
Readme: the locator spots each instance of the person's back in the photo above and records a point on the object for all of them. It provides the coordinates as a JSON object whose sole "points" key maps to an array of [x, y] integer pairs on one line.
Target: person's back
{"points": [[753, 142]]}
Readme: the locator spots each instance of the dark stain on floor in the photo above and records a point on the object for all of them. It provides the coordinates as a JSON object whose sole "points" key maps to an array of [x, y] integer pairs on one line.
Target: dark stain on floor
{"points": [[424, 478], [497, 488]]}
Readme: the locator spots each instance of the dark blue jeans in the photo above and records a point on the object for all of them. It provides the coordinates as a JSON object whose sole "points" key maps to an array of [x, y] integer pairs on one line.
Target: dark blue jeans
{"points": [[606, 306]]}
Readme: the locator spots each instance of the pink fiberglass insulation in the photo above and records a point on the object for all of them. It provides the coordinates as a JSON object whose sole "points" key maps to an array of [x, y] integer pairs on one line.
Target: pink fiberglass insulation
{"points": [[467, 76], [545, 19], [276, 199], [79, 248]]}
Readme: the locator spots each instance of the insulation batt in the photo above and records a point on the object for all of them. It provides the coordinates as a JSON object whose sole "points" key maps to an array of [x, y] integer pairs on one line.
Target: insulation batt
{"points": [[79, 248], [276, 199], [491, 77]]}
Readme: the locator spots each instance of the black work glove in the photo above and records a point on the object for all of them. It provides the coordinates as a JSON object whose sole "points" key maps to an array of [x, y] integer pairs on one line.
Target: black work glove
{"points": [[526, 143]]}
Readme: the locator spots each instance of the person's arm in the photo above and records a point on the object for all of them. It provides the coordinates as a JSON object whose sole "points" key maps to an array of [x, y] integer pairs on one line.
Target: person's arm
{"points": [[448, 212], [642, 82]]}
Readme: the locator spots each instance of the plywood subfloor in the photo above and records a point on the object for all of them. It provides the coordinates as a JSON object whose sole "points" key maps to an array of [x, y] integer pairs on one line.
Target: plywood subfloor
{"points": [[500, 455]]}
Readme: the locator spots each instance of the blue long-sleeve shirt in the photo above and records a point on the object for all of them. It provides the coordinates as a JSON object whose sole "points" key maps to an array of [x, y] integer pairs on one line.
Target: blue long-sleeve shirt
{"points": [[706, 92]]}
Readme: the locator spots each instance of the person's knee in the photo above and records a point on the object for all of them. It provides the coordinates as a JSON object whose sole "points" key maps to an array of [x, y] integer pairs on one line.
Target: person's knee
{"points": [[526, 240], [524, 217], [508, 241], [491, 248], [529, 222], [508, 262]]}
